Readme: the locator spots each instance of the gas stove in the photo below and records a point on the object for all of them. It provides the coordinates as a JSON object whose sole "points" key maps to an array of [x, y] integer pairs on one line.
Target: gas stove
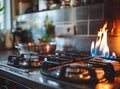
{"points": [[79, 67], [68, 65], [69, 68], [32, 60]]}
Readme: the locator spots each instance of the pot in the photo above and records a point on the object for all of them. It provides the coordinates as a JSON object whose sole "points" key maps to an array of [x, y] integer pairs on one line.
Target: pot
{"points": [[42, 48], [47, 47], [114, 44]]}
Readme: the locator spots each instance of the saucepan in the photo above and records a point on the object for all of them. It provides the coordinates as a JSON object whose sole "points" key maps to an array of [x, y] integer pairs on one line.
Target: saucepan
{"points": [[42, 48]]}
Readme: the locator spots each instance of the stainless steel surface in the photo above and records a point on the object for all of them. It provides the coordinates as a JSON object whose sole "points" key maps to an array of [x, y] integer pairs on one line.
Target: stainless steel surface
{"points": [[34, 80]]}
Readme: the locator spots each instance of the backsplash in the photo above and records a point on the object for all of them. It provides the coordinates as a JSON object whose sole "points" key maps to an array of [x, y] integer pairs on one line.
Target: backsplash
{"points": [[83, 23], [88, 19]]}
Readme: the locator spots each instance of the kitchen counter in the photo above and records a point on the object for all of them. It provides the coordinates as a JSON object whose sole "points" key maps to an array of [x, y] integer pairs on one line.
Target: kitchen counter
{"points": [[34, 80]]}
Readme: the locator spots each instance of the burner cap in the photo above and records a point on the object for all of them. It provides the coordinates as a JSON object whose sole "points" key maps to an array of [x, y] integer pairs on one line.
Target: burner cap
{"points": [[76, 71]]}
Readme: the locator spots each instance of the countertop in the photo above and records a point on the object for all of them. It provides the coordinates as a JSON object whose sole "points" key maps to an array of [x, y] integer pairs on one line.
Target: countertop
{"points": [[34, 79]]}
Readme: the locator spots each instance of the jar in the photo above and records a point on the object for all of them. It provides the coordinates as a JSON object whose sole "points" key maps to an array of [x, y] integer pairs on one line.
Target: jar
{"points": [[65, 4], [74, 3]]}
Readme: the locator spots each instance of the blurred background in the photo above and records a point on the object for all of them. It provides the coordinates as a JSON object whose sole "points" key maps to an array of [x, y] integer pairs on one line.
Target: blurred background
{"points": [[69, 23]]}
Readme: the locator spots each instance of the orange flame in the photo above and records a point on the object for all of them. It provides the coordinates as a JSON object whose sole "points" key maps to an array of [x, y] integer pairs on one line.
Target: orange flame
{"points": [[47, 48], [116, 28], [101, 47]]}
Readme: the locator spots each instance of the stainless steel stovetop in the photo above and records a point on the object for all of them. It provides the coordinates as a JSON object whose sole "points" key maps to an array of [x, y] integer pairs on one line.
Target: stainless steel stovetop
{"points": [[61, 72]]}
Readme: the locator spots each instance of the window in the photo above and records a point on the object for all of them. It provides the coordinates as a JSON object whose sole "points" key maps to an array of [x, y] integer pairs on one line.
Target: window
{"points": [[2, 14], [5, 14]]}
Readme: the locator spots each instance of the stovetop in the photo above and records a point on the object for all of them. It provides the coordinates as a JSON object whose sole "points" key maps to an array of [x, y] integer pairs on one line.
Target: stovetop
{"points": [[86, 69], [61, 70], [31, 60]]}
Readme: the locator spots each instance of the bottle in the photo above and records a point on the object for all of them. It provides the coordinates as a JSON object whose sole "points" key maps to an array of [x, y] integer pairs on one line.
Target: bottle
{"points": [[65, 4], [47, 30]]}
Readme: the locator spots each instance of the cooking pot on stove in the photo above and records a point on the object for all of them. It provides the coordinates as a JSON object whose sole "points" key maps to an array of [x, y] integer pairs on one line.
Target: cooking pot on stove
{"points": [[42, 48], [26, 49], [47, 47]]}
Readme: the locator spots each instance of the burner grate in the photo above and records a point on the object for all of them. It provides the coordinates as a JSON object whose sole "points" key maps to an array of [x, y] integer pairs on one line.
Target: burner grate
{"points": [[25, 60], [78, 71], [74, 66]]}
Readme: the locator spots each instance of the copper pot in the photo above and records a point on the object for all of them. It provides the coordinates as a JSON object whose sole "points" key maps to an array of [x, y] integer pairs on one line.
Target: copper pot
{"points": [[42, 48], [47, 47]]}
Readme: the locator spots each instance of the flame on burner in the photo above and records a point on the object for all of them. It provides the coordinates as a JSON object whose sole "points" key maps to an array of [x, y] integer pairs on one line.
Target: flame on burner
{"points": [[114, 55], [100, 47], [93, 48]]}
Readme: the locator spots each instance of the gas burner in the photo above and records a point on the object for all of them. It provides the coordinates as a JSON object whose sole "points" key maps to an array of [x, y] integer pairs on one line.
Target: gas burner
{"points": [[25, 60], [80, 71], [73, 53], [76, 71], [65, 59]]}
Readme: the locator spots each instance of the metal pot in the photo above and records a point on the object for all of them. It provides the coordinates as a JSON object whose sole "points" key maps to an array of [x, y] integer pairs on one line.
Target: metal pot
{"points": [[42, 48], [26, 49], [47, 47]]}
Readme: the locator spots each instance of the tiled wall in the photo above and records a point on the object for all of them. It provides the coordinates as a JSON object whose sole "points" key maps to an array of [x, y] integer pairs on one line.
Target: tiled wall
{"points": [[88, 20]]}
